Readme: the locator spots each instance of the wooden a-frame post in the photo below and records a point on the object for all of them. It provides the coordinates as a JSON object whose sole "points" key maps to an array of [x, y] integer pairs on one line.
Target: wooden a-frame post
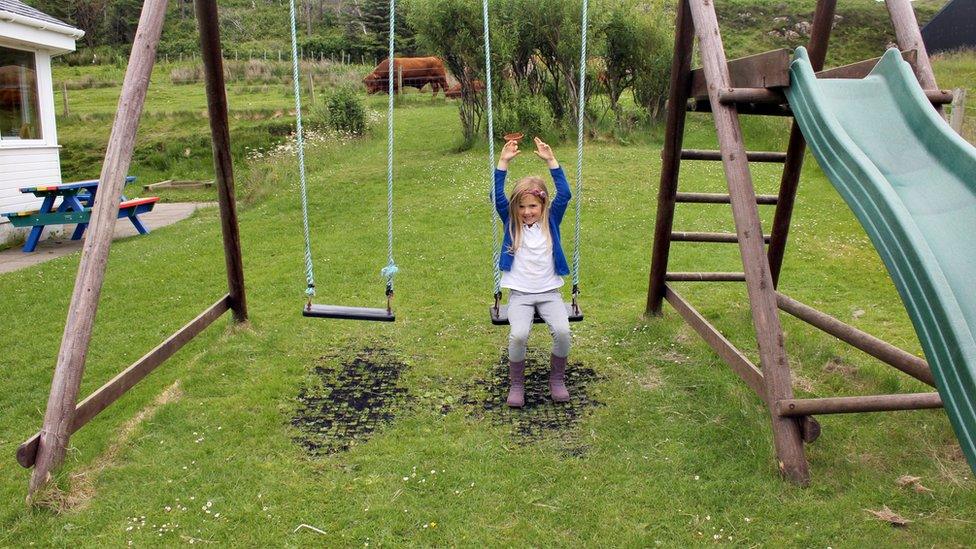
{"points": [[753, 85], [46, 449]]}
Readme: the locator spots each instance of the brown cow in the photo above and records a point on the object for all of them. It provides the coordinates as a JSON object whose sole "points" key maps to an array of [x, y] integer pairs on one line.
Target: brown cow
{"points": [[454, 92], [417, 73]]}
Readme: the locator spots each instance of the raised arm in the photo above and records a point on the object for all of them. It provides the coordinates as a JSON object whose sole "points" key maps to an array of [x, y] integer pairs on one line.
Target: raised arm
{"points": [[501, 201], [561, 201], [563, 194], [509, 152]]}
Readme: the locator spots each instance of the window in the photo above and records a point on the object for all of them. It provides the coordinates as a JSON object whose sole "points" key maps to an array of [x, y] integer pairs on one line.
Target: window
{"points": [[19, 116]]}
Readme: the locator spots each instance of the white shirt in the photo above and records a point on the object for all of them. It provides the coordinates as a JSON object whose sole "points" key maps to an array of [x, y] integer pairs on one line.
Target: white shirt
{"points": [[533, 268]]}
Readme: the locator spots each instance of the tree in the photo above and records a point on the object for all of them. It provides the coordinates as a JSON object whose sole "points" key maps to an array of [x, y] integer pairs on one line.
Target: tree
{"points": [[653, 68], [87, 15], [375, 20], [515, 17], [452, 29], [121, 21]]}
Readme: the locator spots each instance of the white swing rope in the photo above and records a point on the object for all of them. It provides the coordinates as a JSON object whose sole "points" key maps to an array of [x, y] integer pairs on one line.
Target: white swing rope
{"points": [[580, 114], [299, 137], [495, 246], [391, 268]]}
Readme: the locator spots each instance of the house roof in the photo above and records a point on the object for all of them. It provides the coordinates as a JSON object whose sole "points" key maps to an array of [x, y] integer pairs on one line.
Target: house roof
{"points": [[951, 28], [20, 8]]}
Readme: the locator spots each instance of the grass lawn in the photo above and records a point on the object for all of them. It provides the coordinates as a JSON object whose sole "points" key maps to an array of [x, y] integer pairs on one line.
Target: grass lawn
{"points": [[661, 445]]}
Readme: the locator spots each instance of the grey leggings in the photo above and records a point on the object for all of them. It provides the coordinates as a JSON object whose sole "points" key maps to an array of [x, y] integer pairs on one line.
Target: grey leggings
{"points": [[521, 309]]}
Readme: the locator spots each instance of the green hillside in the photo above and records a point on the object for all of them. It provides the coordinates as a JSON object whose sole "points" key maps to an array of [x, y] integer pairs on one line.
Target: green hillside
{"points": [[260, 27]]}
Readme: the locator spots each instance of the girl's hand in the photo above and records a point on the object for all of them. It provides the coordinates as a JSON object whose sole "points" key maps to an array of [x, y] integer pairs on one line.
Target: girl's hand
{"points": [[544, 152], [509, 151]]}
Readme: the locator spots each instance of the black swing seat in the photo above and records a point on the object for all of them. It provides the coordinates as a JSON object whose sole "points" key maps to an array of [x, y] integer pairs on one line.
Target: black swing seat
{"points": [[348, 313], [499, 316]]}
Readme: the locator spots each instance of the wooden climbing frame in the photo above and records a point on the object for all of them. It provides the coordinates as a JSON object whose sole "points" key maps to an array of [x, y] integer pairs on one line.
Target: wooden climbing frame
{"points": [[753, 85], [45, 450]]}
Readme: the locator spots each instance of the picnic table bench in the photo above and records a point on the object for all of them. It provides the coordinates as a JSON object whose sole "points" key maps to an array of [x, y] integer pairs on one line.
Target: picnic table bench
{"points": [[77, 200]]}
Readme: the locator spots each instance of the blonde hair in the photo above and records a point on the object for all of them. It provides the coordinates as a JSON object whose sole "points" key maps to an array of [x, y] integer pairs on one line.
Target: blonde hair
{"points": [[527, 186]]}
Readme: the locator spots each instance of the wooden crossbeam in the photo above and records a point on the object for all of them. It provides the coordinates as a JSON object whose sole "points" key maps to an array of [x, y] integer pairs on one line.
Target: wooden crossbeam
{"points": [[732, 96], [126, 379], [775, 98], [879, 349], [739, 363], [862, 68], [762, 70]]}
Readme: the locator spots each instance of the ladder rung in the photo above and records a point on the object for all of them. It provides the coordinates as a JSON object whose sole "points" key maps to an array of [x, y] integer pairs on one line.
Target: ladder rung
{"points": [[705, 277], [709, 237], [757, 156], [716, 198]]}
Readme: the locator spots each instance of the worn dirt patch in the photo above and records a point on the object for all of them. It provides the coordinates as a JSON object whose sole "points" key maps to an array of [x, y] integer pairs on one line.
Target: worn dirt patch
{"points": [[650, 380], [540, 418], [951, 463], [81, 488], [344, 402], [803, 383], [836, 365]]}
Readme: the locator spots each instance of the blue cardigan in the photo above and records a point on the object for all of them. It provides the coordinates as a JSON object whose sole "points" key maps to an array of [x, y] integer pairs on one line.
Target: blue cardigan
{"points": [[556, 212]]}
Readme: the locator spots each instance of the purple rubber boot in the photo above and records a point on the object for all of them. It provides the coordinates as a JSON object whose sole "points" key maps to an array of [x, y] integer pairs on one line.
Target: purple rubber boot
{"points": [[516, 391], [557, 380]]}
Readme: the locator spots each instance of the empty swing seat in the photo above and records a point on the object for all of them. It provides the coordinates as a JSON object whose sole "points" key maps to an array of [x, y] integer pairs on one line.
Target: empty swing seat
{"points": [[499, 316], [348, 313]]}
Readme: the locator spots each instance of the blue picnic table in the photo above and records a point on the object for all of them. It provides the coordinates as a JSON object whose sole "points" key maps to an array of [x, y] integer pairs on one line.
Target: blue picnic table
{"points": [[77, 200]]}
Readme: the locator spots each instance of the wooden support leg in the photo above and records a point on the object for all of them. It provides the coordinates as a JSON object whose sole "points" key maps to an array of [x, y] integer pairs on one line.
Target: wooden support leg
{"points": [[909, 37], [94, 256], [787, 436], [671, 156], [213, 64], [823, 20]]}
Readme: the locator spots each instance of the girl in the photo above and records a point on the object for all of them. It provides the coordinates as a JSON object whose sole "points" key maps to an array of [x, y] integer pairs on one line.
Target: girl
{"points": [[532, 264]]}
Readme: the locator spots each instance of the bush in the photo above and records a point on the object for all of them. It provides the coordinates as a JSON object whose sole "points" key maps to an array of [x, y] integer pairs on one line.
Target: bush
{"points": [[638, 54], [530, 115], [345, 111]]}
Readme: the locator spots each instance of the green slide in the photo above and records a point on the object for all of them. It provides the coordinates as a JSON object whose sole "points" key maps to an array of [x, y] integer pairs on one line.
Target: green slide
{"points": [[911, 182]]}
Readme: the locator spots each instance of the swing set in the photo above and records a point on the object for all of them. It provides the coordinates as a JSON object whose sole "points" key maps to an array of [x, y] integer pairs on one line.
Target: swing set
{"points": [[64, 415]]}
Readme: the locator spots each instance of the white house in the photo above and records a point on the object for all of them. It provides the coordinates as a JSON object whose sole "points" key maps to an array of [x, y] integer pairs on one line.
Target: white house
{"points": [[28, 135]]}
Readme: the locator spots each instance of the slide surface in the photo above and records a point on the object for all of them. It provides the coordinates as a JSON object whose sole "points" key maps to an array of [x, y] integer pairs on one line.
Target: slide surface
{"points": [[911, 182]]}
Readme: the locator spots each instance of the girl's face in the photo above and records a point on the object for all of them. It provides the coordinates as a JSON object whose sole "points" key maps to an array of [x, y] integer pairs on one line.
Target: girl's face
{"points": [[529, 209]]}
